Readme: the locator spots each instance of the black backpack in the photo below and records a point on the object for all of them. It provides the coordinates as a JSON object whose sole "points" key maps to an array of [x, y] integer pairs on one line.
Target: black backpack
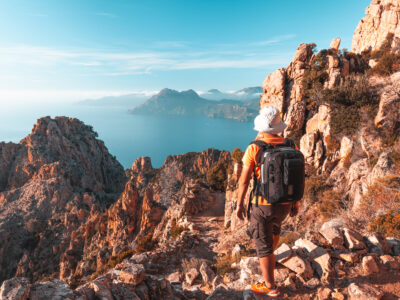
{"points": [[281, 170]]}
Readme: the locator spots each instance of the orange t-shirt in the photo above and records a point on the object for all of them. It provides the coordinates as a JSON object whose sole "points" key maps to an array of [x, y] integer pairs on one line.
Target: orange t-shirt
{"points": [[249, 157]]}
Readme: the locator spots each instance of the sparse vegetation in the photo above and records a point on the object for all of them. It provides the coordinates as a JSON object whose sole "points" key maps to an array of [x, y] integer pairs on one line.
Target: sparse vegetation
{"points": [[289, 238], [388, 224], [114, 260], [217, 175], [145, 243], [224, 264], [237, 155], [331, 204], [314, 187], [176, 231], [35, 225]]}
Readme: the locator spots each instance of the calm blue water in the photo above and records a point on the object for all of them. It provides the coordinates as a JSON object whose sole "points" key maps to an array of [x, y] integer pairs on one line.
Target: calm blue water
{"points": [[130, 136]]}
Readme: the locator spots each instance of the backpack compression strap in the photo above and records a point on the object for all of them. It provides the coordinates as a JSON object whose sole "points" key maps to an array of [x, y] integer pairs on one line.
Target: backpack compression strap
{"points": [[263, 146]]}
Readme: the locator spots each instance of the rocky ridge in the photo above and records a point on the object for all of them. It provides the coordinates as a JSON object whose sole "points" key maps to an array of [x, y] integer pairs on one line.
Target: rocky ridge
{"points": [[383, 17]]}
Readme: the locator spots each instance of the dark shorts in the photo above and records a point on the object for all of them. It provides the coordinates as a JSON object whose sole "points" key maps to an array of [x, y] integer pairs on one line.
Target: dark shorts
{"points": [[265, 222]]}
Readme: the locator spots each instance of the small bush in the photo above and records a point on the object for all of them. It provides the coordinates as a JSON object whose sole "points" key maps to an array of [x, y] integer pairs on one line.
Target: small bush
{"points": [[145, 243], [35, 225], [388, 224], [217, 175], [331, 204], [176, 231], [289, 238], [314, 187], [224, 264], [115, 260], [237, 155]]}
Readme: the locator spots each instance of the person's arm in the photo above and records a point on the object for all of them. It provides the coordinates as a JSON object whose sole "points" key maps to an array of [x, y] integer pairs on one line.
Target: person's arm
{"points": [[243, 185]]}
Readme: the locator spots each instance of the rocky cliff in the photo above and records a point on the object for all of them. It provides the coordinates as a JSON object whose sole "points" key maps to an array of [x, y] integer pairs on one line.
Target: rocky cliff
{"points": [[50, 182], [383, 17]]}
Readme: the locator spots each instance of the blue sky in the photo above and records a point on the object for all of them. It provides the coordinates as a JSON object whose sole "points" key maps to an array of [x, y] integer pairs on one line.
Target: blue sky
{"points": [[78, 49]]}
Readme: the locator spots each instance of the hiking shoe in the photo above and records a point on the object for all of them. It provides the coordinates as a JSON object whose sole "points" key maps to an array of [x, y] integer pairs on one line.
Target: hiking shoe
{"points": [[261, 289]]}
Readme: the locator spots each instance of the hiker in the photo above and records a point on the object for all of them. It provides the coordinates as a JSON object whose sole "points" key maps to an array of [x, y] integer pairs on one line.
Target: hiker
{"points": [[265, 217]]}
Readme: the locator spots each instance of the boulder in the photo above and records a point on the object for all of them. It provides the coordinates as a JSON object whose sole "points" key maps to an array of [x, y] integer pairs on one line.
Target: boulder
{"points": [[54, 289], [377, 243], [390, 262], [335, 43], [353, 240], [330, 231], [283, 253], [206, 273], [394, 245], [320, 258], [307, 143], [175, 277], [191, 276], [300, 266], [132, 274], [369, 265], [324, 293], [16, 288], [363, 292]]}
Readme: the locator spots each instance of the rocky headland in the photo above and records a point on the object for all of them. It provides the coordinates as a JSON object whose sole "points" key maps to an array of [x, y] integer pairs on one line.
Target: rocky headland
{"points": [[75, 225]]}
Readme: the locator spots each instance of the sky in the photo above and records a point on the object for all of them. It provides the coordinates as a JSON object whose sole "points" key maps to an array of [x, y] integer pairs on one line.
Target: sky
{"points": [[78, 49]]}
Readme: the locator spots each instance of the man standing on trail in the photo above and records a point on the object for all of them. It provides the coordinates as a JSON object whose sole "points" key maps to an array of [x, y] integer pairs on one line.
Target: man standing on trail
{"points": [[265, 218]]}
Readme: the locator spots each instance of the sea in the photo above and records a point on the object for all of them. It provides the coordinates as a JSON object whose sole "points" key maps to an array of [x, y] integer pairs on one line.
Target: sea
{"points": [[130, 136]]}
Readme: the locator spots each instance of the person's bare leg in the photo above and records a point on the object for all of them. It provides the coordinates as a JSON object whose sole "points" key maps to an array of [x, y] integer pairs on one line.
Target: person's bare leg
{"points": [[275, 241], [267, 264]]}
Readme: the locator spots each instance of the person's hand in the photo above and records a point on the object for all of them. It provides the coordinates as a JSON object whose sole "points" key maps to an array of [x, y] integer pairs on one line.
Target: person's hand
{"points": [[240, 212], [295, 209]]}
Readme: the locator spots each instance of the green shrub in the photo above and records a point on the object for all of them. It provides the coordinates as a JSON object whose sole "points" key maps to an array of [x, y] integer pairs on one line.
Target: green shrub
{"points": [[224, 264], [115, 260], [217, 175], [176, 231], [331, 204], [145, 243], [237, 155], [346, 101], [388, 224]]}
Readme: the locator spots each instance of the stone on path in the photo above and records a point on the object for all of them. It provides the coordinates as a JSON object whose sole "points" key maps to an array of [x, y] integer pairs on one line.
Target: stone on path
{"points": [[363, 292], [369, 265], [17, 288]]}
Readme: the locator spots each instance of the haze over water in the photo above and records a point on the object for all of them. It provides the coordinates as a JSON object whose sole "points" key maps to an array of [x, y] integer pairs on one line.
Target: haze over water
{"points": [[130, 136]]}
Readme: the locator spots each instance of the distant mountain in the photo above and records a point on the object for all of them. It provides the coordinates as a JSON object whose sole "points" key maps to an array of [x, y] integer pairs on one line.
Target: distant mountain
{"points": [[129, 100], [189, 103], [245, 94]]}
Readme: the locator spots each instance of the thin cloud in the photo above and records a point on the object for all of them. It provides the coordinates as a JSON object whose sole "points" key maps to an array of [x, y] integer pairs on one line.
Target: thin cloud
{"points": [[118, 63], [274, 40]]}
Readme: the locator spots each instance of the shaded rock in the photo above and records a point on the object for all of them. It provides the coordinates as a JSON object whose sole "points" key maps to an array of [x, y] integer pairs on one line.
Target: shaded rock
{"points": [[191, 276], [377, 243], [350, 257], [369, 265], [330, 231], [16, 288], [175, 277], [51, 290], [283, 253], [390, 262], [394, 245], [216, 281], [320, 258], [133, 274], [363, 292], [324, 293], [300, 266], [353, 240], [221, 292], [313, 283], [206, 273]]}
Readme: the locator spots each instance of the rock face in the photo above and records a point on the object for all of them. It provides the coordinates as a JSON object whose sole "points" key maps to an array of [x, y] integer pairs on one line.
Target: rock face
{"points": [[383, 17], [49, 182]]}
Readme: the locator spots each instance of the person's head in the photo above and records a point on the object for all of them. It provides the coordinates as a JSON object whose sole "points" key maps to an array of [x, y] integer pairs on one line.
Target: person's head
{"points": [[269, 121]]}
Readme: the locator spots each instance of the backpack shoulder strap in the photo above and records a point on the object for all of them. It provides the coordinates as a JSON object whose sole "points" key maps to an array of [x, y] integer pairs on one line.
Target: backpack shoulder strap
{"points": [[289, 143]]}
